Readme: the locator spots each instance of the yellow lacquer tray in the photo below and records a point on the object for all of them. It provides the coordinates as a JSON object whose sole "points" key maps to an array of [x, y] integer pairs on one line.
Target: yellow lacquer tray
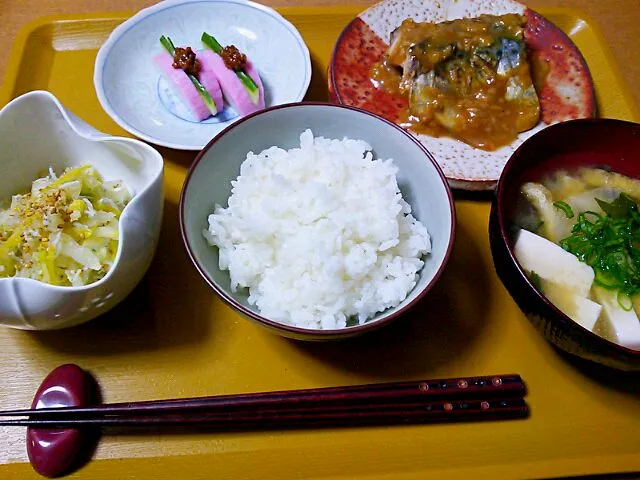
{"points": [[173, 338]]}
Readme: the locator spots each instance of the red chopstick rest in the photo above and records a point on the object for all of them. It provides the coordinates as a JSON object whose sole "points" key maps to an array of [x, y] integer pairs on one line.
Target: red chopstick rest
{"points": [[53, 451]]}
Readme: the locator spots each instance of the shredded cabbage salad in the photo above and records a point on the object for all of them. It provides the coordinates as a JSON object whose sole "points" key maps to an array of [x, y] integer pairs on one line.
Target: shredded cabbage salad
{"points": [[65, 230]]}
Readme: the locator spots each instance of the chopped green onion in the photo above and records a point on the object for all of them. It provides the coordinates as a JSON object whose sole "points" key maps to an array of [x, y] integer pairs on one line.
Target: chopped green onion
{"points": [[609, 244], [536, 280], [204, 94], [625, 302], [565, 207], [249, 84]]}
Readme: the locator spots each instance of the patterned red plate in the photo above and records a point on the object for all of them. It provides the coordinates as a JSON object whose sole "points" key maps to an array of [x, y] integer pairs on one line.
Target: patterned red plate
{"points": [[567, 92]]}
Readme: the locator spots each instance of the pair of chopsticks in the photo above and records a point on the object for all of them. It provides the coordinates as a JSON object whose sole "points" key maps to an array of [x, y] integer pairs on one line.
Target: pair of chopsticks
{"points": [[429, 401]]}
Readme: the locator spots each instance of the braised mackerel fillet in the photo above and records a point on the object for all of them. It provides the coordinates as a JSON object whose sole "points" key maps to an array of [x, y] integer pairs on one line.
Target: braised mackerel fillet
{"points": [[466, 78]]}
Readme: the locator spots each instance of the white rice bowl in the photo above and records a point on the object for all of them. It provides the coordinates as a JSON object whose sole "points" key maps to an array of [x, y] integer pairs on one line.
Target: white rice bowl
{"points": [[320, 235]]}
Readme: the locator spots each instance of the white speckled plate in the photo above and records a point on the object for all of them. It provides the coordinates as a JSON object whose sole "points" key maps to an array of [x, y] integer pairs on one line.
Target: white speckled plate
{"points": [[567, 92], [132, 92]]}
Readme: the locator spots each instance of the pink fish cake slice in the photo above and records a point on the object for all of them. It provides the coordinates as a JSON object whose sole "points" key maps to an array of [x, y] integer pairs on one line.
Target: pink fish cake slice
{"points": [[185, 89], [233, 89]]}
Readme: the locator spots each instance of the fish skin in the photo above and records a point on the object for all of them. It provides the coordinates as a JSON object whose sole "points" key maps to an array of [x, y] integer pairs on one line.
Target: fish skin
{"points": [[462, 72]]}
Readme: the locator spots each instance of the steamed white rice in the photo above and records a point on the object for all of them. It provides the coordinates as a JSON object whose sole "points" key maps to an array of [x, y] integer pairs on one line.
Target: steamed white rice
{"points": [[320, 235]]}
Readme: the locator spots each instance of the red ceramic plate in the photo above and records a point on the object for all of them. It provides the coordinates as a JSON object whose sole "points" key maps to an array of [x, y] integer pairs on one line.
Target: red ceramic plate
{"points": [[566, 94]]}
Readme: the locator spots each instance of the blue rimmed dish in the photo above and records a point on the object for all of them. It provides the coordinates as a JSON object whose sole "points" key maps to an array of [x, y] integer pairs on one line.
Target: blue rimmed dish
{"points": [[136, 97]]}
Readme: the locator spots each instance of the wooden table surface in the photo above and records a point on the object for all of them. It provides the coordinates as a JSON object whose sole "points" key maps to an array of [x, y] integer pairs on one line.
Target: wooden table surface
{"points": [[618, 20]]}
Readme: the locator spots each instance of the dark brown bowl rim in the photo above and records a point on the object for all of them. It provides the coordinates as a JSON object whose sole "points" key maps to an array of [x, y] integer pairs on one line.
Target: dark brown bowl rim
{"points": [[568, 322], [308, 331]]}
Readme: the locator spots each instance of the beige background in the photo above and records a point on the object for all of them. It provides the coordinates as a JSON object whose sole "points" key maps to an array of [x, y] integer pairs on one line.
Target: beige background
{"points": [[618, 19]]}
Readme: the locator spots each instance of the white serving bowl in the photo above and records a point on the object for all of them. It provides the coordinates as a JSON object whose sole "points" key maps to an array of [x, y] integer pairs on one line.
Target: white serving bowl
{"points": [[419, 178], [37, 132], [134, 95]]}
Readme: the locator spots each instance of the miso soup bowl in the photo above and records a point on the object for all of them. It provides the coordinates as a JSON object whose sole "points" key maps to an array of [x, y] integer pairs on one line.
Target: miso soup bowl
{"points": [[38, 132], [612, 144], [209, 183]]}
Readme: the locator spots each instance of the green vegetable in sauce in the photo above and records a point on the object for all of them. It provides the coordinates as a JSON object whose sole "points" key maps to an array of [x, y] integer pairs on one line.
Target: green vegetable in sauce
{"points": [[610, 244]]}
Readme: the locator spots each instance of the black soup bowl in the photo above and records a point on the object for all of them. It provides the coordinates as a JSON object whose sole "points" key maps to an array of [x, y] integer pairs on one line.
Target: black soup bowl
{"points": [[605, 143]]}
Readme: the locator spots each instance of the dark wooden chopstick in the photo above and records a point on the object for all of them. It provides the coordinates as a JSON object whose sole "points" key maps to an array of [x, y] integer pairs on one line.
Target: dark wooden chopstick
{"points": [[427, 401], [486, 387], [430, 412]]}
